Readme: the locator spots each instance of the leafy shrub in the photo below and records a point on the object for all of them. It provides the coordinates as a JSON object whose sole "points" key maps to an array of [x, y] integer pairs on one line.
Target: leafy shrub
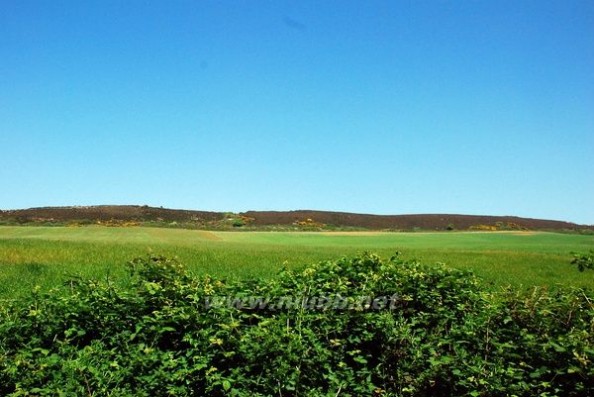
{"points": [[442, 334], [583, 261]]}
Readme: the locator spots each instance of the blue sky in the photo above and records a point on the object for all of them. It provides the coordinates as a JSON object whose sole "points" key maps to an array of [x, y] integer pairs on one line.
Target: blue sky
{"points": [[387, 107]]}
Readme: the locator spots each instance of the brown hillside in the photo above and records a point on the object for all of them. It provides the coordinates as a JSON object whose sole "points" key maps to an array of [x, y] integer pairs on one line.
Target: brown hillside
{"points": [[402, 222], [109, 212], [135, 213]]}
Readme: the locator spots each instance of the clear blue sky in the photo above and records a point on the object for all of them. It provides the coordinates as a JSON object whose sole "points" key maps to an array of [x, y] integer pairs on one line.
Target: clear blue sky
{"points": [[387, 107]]}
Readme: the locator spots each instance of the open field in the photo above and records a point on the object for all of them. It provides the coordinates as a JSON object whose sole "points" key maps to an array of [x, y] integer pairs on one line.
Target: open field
{"points": [[153, 333], [47, 256]]}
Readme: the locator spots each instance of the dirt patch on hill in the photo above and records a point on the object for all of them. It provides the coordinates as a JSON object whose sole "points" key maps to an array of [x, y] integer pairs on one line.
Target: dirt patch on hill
{"points": [[209, 236], [351, 233], [523, 233]]}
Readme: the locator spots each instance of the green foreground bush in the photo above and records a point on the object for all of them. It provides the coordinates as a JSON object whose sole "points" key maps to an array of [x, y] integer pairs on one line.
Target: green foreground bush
{"points": [[441, 334]]}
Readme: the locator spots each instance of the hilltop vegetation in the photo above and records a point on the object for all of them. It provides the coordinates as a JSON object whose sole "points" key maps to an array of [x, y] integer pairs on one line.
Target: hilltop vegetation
{"points": [[273, 220]]}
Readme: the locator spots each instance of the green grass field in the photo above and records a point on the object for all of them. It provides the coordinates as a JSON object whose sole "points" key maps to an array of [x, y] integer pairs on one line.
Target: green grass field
{"points": [[47, 256]]}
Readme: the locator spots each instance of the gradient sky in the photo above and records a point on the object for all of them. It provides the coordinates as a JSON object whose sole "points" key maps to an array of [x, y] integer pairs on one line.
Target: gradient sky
{"points": [[387, 107]]}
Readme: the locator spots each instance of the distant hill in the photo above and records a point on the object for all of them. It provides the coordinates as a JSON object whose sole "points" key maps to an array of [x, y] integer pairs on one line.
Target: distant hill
{"points": [[114, 215], [409, 222], [104, 213]]}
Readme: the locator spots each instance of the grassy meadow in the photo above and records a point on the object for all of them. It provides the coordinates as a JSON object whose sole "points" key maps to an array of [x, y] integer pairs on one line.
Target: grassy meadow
{"points": [[444, 333], [47, 256]]}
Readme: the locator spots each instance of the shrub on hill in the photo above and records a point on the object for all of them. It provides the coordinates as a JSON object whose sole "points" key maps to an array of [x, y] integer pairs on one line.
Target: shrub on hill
{"points": [[352, 327]]}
